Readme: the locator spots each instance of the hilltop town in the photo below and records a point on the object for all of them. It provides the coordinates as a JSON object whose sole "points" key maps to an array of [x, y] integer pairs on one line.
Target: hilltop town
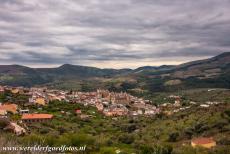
{"points": [[109, 103], [41, 110]]}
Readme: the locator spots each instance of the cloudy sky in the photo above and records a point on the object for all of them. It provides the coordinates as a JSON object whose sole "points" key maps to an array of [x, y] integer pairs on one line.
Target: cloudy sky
{"points": [[112, 33]]}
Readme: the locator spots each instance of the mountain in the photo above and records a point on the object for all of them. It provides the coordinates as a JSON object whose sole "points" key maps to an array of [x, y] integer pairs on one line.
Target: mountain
{"points": [[214, 70], [204, 68], [201, 68], [17, 75], [153, 68], [24, 76], [208, 73], [77, 71]]}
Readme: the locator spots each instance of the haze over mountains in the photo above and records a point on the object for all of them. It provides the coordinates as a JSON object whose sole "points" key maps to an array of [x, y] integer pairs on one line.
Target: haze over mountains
{"points": [[213, 68]]}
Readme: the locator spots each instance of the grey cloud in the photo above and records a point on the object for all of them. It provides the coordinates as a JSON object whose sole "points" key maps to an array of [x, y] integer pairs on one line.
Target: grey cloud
{"points": [[94, 31]]}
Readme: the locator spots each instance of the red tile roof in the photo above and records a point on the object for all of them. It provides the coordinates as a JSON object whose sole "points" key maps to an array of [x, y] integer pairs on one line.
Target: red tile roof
{"points": [[203, 140], [9, 107], [37, 116]]}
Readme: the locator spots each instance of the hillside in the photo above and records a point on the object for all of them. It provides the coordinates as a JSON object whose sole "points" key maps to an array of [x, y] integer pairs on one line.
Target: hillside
{"points": [[81, 72], [17, 75], [204, 68], [212, 72], [208, 73], [160, 134]]}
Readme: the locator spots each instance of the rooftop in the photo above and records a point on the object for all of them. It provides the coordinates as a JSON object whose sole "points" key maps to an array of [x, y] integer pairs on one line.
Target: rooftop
{"points": [[202, 140], [37, 116]]}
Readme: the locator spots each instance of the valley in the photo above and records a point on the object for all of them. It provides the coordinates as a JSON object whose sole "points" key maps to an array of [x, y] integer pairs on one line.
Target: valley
{"points": [[163, 110]]}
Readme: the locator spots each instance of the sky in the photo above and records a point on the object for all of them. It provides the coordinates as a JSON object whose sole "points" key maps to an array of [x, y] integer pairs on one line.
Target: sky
{"points": [[112, 33]]}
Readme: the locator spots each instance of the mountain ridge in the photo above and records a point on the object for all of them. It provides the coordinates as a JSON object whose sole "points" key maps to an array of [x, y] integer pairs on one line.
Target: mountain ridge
{"points": [[201, 69], [224, 54]]}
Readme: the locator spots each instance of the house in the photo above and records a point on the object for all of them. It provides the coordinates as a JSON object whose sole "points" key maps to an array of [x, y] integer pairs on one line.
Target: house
{"points": [[2, 90], [99, 106], [139, 111], [9, 108], [120, 111], [116, 110], [177, 102], [15, 91], [24, 111], [204, 105], [203, 142], [15, 128], [149, 112], [53, 97], [193, 103], [3, 112], [78, 111], [40, 101], [84, 117], [168, 113], [174, 97], [134, 113], [36, 117], [108, 113]]}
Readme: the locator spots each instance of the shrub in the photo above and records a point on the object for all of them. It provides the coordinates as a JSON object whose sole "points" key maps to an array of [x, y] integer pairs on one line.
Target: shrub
{"points": [[126, 139], [227, 112], [173, 137], [3, 123], [44, 131], [156, 149], [77, 139], [34, 139], [61, 130], [224, 141]]}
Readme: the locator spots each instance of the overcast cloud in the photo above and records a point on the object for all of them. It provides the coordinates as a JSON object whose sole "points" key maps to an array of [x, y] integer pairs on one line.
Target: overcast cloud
{"points": [[112, 33]]}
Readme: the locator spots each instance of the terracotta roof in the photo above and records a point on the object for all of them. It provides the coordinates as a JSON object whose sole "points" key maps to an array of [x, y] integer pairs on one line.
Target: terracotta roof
{"points": [[9, 107], [37, 116], [202, 140]]}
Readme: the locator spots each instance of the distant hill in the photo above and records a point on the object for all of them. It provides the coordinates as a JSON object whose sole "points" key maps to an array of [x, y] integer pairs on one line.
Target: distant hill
{"points": [[213, 71], [153, 68], [17, 75], [204, 68], [24, 76], [68, 71]]}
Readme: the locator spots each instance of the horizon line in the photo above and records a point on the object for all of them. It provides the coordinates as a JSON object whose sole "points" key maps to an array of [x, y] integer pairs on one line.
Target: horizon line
{"points": [[38, 66]]}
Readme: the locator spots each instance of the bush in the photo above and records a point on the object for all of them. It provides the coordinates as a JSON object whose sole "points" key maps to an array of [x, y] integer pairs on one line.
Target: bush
{"points": [[34, 139], [109, 142], [126, 139], [61, 130], [76, 139], [188, 133], [44, 131], [3, 123], [227, 112], [224, 141], [129, 128], [173, 137], [156, 149], [51, 140]]}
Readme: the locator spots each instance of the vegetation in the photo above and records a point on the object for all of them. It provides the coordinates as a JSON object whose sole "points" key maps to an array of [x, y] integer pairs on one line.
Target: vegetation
{"points": [[160, 134]]}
